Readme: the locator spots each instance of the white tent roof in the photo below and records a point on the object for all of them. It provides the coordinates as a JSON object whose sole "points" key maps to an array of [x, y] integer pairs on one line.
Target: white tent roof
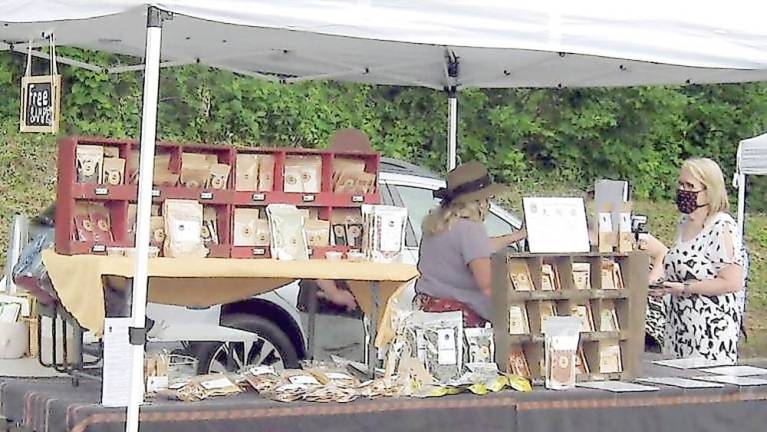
{"points": [[498, 43], [752, 156]]}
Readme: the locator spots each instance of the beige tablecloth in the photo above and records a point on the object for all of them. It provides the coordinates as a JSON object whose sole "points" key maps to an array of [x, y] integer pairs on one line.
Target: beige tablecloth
{"points": [[79, 281]]}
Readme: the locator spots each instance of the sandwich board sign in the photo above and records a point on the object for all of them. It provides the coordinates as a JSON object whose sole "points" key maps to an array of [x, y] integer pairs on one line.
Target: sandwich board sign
{"points": [[40, 103]]}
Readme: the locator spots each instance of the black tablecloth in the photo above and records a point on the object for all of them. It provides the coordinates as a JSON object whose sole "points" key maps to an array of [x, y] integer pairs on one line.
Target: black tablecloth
{"points": [[53, 405]]}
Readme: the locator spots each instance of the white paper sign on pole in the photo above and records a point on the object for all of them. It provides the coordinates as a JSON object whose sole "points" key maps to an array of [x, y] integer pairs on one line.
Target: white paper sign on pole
{"points": [[556, 225], [118, 357]]}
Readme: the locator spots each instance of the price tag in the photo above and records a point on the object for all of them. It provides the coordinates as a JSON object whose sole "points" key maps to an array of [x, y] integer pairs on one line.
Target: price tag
{"points": [[259, 251], [358, 198], [101, 191], [155, 192], [308, 198], [258, 197], [206, 195], [98, 248]]}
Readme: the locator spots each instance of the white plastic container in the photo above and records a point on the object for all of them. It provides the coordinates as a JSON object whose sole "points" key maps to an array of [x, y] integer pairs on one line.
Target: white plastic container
{"points": [[14, 340]]}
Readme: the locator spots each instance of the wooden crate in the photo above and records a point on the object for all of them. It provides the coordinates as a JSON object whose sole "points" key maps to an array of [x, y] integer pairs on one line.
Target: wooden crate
{"points": [[628, 303]]}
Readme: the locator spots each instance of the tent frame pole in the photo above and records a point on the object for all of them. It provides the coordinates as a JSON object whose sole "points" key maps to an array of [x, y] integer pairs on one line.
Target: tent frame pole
{"points": [[155, 19], [451, 79], [452, 128], [742, 205]]}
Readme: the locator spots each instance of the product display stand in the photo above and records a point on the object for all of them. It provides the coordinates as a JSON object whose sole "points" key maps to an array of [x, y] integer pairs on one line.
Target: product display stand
{"points": [[608, 290], [116, 199]]}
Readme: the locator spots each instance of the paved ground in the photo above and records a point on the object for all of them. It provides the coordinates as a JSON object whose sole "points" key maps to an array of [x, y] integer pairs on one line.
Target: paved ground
{"points": [[25, 367]]}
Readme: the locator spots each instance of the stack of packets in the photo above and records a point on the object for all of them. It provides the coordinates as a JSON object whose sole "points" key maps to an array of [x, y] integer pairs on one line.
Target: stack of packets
{"points": [[433, 355], [203, 387], [92, 223], [254, 172], [302, 174], [250, 229], [200, 170], [99, 165], [347, 227], [384, 232], [349, 176]]}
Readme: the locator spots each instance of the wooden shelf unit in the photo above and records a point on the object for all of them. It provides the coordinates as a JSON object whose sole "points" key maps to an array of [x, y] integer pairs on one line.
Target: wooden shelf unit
{"points": [[117, 198], [628, 303]]}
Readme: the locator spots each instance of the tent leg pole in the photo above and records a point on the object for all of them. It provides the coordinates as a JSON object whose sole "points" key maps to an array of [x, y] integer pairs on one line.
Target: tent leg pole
{"points": [[452, 127], [146, 168], [742, 204]]}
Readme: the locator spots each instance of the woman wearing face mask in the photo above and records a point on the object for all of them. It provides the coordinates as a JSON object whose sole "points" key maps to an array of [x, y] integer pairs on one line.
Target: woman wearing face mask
{"points": [[455, 250], [703, 269]]}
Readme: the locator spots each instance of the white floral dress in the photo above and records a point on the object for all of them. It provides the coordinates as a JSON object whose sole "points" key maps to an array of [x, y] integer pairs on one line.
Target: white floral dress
{"points": [[699, 325]]}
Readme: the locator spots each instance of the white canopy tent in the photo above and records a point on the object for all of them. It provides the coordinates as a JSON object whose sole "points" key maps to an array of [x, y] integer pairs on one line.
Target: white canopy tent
{"points": [[751, 159], [445, 45]]}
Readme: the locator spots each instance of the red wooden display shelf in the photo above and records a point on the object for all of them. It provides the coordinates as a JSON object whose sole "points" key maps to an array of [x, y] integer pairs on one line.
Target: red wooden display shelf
{"points": [[71, 194]]}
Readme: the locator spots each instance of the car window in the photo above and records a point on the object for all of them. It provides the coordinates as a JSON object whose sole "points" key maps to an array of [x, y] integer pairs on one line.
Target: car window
{"points": [[420, 200]]}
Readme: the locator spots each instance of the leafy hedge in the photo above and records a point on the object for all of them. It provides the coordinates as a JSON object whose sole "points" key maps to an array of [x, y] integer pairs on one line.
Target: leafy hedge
{"points": [[524, 135]]}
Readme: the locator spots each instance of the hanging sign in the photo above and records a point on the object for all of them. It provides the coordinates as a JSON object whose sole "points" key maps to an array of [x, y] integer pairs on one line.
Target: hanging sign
{"points": [[40, 97]]}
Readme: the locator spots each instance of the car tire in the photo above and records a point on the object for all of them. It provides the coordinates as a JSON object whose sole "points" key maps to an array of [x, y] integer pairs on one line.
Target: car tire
{"points": [[209, 353]]}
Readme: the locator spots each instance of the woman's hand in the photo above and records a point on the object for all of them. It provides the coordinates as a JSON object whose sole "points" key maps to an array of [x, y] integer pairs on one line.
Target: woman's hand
{"points": [[340, 297], [673, 288]]}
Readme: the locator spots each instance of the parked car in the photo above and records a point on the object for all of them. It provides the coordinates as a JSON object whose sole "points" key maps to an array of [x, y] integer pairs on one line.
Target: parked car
{"points": [[278, 318]]}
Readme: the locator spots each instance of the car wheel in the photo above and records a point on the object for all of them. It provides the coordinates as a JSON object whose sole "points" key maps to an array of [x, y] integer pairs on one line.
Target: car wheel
{"points": [[272, 347]]}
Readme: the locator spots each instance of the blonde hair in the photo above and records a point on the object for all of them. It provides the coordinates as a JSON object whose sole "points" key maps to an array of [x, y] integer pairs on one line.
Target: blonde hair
{"points": [[710, 175], [441, 219]]}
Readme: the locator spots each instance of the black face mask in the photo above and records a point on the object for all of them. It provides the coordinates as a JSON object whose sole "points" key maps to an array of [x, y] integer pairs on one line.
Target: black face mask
{"points": [[687, 201]]}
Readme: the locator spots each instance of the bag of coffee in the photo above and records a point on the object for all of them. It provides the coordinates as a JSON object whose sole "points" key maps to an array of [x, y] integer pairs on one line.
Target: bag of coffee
{"points": [[245, 226], [288, 235], [157, 231], [195, 170], [111, 152], [183, 229], [102, 228], [90, 159], [266, 173], [131, 167], [209, 225], [292, 176], [246, 172], [114, 171], [163, 176], [219, 176], [83, 225], [317, 232], [263, 235], [561, 336]]}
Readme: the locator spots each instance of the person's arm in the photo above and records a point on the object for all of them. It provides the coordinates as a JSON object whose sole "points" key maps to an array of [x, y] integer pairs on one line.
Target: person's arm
{"points": [[501, 242], [480, 269], [330, 291], [657, 252], [729, 280]]}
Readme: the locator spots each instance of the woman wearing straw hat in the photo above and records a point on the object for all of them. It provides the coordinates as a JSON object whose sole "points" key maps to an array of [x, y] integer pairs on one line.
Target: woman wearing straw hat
{"points": [[455, 250]]}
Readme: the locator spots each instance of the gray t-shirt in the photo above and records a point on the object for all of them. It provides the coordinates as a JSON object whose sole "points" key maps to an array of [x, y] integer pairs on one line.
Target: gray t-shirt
{"points": [[444, 265]]}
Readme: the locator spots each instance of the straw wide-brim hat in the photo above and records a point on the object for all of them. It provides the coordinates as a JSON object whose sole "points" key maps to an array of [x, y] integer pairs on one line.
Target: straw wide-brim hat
{"points": [[469, 182]]}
